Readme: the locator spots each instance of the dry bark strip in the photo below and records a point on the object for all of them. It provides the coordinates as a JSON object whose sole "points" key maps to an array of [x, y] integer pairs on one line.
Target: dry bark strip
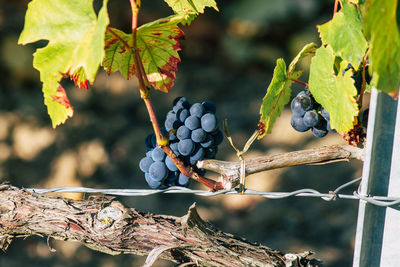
{"points": [[230, 171], [107, 226]]}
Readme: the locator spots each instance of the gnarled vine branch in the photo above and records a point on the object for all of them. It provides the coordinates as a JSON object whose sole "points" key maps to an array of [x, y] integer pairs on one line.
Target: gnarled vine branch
{"points": [[107, 226]]}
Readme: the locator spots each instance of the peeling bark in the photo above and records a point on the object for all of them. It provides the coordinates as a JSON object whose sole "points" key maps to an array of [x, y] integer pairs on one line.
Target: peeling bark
{"points": [[105, 225]]}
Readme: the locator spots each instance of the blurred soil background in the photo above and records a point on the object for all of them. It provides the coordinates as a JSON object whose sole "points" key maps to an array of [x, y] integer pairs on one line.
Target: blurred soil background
{"points": [[228, 58]]}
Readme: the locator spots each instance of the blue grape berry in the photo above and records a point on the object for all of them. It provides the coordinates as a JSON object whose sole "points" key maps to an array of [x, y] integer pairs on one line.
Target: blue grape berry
{"points": [[183, 132], [170, 164], [182, 115], [145, 163], [198, 135], [158, 154], [320, 130], [311, 118], [197, 110], [297, 123], [208, 142], [209, 122], [183, 180], [151, 182], [186, 147], [300, 104], [192, 122], [158, 171]]}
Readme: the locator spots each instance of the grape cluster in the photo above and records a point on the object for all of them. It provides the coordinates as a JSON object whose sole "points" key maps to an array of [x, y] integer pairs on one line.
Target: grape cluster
{"points": [[308, 114], [193, 135]]}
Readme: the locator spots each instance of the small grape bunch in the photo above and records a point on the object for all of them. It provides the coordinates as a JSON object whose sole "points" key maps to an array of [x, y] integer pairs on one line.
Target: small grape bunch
{"points": [[308, 114], [193, 135]]}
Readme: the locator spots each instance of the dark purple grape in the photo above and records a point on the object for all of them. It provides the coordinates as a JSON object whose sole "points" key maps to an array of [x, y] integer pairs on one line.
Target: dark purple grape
{"points": [[325, 114], [183, 132], [211, 152], [320, 130], [170, 164], [186, 147], [311, 118], [208, 142], [151, 182], [197, 154], [145, 163], [209, 107], [218, 137], [183, 180], [197, 110], [300, 104], [192, 122], [298, 124], [198, 135], [158, 154], [182, 115], [158, 171], [209, 122]]}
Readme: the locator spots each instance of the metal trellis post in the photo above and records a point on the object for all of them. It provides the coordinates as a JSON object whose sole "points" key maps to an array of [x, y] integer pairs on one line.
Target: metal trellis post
{"points": [[378, 228]]}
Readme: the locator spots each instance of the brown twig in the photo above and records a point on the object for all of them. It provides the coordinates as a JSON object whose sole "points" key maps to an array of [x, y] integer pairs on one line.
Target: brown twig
{"points": [[230, 171]]}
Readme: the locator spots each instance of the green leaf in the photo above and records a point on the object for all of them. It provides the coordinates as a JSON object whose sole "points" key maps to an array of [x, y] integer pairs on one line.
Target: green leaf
{"points": [[278, 95], [308, 49], [335, 93], [191, 6], [344, 34], [75, 48], [381, 27], [158, 47]]}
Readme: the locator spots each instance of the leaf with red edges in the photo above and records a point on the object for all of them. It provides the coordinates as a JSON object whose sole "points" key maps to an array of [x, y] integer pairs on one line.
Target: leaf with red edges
{"points": [[75, 48], [158, 46]]}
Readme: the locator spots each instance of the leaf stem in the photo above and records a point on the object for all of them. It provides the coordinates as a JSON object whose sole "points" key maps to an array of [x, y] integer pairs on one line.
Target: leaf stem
{"points": [[335, 8], [363, 84], [297, 81]]}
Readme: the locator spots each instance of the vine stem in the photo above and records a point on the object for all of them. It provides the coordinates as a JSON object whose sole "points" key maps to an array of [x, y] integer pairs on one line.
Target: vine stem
{"points": [[144, 87], [297, 81], [336, 6], [363, 79]]}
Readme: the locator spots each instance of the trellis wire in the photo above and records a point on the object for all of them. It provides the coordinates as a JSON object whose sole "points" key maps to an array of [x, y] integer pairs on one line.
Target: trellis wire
{"points": [[306, 192]]}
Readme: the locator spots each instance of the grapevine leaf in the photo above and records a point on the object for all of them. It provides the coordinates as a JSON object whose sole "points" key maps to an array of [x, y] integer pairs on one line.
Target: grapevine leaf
{"points": [[278, 95], [344, 34], [191, 6], [118, 53], [335, 93], [158, 47], [381, 27], [75, 48], [308, 49]]}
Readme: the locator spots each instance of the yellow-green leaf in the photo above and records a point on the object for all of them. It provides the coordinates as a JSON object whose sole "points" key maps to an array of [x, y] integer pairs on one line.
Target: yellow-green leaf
{"points": [[382, 29], [344, 34], [336, 93], [278, 95], [308, 49], [75, 48]]}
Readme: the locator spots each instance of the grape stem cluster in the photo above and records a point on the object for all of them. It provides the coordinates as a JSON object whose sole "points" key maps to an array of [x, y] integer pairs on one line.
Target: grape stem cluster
{"points": [[144, 87]]}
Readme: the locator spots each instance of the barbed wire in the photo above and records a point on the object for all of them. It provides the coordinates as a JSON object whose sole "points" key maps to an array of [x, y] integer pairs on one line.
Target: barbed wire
{"points": [[383, 201]]}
